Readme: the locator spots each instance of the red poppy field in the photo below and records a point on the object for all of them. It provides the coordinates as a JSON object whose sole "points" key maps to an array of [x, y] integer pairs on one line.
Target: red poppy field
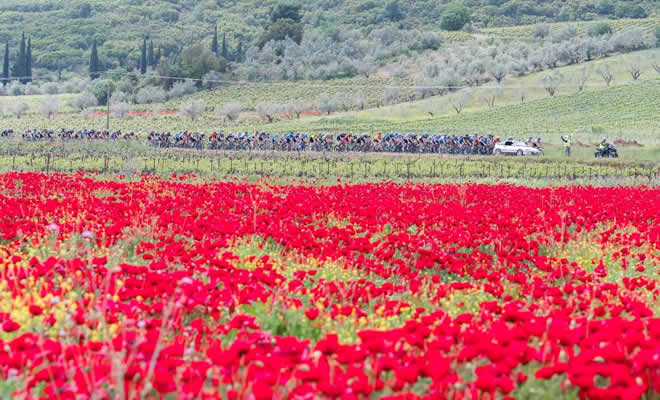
{"points": [[194, 289]]}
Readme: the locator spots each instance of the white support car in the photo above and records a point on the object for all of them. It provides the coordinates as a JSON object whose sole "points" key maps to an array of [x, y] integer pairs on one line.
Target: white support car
{"points": [[516, 147]]}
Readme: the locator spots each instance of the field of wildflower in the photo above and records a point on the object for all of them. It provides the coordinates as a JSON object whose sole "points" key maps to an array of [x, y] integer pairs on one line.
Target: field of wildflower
{"points": [[141, 287]]}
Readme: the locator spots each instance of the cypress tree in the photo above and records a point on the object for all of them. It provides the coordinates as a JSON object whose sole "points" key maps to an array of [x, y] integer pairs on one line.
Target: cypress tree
{"points": [[143, 57], [158, 56], [19, 66], [94, 62], [214, 42], [28, 61], [239, 51], [150, 54], [225, 53], [5, 65]]}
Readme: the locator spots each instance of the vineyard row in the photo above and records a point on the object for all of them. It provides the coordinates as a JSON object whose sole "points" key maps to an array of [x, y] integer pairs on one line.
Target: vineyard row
{"points": [[357, 167]]}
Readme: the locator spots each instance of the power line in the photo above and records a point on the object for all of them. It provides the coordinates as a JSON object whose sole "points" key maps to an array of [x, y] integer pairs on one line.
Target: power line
{"points": [[321, 85], [350, 86]]}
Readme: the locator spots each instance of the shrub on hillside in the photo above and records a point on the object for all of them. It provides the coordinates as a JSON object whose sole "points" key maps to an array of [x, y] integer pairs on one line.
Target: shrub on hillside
{"points": [[455, 17], [83, 101], [541, 30], [599, 29], [628, 10]]}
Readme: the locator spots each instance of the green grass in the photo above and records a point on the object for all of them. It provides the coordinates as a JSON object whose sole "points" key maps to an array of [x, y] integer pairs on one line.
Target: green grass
{"points": [[34, 102], [626, 111], [622, 112], [250, 94]]}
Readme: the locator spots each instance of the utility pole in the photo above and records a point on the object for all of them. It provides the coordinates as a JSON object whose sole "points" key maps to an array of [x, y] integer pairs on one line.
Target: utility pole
{"points": [[107, 114]]}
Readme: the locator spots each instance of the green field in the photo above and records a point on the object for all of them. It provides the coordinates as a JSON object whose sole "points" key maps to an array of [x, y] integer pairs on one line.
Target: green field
{"points": [[129, 157], [34, 102], [627, 111], [252, 93]]}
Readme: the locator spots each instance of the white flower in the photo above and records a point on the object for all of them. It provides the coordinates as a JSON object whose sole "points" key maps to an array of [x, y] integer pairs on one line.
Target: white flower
{"points": [[87, 235], [53, 227], [55, 300], [186, 280]]}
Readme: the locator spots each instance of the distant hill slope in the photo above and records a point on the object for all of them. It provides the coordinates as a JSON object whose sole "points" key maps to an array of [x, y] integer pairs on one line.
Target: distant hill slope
{"points": [[624, 111], [63, 31]]}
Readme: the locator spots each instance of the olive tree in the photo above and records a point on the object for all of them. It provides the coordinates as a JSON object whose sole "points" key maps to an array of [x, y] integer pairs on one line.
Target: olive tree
{"points": [[541, 30], [298, 107], [150, 95], [326, 103], [360, 100], [498, 69], [490, 94], [460, 100], [581, 78], [634, 67], [391, 94], [49, 107], [551, 82], [655, 63], [230, 112], [17, 109], [181, 88], [268, 110], [83, 101], [424, 88], [474, 72], [50, 88], [366, 66], [632, 38], [120, 109], [605, 73], [120, 97], [211, 80], [564, 33], [193, 109]]}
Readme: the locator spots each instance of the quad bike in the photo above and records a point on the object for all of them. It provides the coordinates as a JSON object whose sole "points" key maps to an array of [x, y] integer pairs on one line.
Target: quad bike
{"points": [[609, 150]]}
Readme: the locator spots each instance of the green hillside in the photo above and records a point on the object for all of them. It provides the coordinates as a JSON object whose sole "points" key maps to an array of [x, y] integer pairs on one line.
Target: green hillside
{"points": [[627, 111], [63, 31]]}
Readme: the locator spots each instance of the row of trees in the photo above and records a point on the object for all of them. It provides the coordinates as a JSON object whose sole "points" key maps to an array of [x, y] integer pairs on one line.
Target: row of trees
{"points": [[22, 68], [474, 65], [270, 111], [66, 39], [148, 57], [319, 56], [468, 64]]}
